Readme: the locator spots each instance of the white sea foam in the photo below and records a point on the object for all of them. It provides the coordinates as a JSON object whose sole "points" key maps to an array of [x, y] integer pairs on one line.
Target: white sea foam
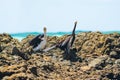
{"points": [[19, 38]]}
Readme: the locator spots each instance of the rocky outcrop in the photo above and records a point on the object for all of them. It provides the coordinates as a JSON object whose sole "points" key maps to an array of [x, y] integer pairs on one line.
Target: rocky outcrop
{"points": [[94, 56]]}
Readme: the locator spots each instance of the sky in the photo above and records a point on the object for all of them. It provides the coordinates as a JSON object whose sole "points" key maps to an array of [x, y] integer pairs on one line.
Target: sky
{"points": [[59, 15]]}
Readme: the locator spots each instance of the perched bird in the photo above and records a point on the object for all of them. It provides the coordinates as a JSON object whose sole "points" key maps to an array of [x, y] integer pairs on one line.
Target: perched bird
{"points": [[68, 42], [39, 42], [65, 44]]}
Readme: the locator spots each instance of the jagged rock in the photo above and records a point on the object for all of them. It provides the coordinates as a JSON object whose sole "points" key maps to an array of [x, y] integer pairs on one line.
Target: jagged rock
{"points": [[114, 54], [17, 76], [93, 56], [85, 68], [98, 62], [117, 62], [110, 61]]}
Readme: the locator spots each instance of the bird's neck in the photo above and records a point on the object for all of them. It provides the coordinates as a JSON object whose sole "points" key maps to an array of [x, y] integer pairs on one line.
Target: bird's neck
{"points": [[73, 32], [45, 35]]}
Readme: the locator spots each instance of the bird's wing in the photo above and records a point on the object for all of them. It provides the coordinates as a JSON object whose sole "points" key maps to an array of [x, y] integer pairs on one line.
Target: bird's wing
{"points": [[68, 46], [36, 40], [72, 39], [50, 48], [62, 45], [65, 41], [41, 35]]}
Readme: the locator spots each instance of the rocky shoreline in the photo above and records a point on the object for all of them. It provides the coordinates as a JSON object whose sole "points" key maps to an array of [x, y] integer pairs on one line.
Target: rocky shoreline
{"points": [[94, 56]]}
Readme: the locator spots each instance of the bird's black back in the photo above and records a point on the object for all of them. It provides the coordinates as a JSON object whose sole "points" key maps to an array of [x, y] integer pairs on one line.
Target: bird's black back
{"points": [[63, 44], [35, 41]]}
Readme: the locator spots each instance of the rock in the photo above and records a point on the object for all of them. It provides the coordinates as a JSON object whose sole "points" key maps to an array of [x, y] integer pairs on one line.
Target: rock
{"points": [[34, 70], [0, 49], [47, 58], [48, 68], [85, 68], [66, 62], [110, 61], [117, 62], [93, 56], [10, 70], [114, 54], [17, 76], [98, 62], [15, 51]]}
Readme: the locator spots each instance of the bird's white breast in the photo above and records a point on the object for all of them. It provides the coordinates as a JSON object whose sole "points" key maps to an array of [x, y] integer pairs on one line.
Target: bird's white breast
{"points": [[40, 46]]}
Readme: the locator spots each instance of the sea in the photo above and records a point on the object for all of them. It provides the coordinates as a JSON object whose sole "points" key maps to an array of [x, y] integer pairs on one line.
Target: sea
{"points": [[22, 35]]}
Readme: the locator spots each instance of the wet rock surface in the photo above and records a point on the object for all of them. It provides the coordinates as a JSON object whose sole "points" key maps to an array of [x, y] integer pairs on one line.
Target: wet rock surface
{"points": [[93, 56]]}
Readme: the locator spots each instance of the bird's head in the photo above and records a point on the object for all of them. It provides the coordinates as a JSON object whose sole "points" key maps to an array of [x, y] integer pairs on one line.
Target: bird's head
{"points": [[45, 29], [75, 22]]}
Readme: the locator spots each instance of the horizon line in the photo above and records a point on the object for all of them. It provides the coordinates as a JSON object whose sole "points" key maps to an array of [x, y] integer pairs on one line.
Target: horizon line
{"points": [[62, 31]]}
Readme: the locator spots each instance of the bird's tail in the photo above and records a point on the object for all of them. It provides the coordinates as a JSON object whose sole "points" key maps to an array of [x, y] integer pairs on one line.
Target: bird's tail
{"points": [[74, 28]]}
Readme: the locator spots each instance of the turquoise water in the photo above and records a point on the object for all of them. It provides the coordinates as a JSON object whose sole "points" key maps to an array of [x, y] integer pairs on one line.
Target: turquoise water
{"points": [[20, 36]]}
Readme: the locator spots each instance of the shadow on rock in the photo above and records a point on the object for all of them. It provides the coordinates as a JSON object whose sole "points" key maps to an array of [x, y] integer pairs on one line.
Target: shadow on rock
{"points": [[16, 51], [0, 49], [113, 76], [72, 56], [34, 70], [3, 74]]}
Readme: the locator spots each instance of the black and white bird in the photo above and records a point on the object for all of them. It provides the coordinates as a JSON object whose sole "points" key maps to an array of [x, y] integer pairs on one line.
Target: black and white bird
{"points": [[68, 42], [39, 42], [65, 44]]}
